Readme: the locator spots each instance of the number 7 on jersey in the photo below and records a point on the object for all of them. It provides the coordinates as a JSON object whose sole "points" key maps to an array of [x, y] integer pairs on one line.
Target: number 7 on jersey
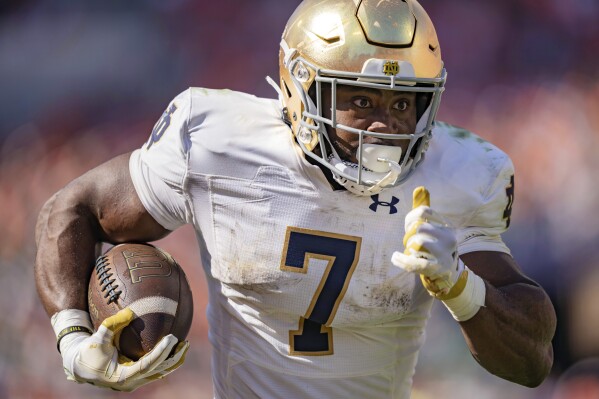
{"points": [[314, 337]]}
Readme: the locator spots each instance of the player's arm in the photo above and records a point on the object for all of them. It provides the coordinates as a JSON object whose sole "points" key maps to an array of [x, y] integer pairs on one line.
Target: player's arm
{"points": [[100, 206], [511, 335], [507, 319]]}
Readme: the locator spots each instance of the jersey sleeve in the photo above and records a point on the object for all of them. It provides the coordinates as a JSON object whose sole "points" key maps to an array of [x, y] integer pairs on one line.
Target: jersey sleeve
{"points": [[483, 230], [159, 168]]}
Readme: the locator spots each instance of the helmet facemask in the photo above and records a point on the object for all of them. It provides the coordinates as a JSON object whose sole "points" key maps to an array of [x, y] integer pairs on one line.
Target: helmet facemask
{"points": [[378, 166]]}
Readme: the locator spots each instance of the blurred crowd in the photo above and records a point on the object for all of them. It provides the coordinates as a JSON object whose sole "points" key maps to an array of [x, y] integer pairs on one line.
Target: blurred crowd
{"points": [[84, 81]]}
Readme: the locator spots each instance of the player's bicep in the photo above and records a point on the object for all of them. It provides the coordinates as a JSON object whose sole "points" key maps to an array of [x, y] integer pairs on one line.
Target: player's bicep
{"points": [[110, 196], [498, 268]]}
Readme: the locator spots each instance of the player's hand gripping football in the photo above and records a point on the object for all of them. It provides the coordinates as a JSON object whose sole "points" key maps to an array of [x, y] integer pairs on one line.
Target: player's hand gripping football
{"points": [[430, 247], [95, 359]]}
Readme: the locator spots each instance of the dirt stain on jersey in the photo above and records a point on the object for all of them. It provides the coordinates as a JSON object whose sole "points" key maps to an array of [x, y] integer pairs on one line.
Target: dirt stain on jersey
{"points": [[390, 296]]}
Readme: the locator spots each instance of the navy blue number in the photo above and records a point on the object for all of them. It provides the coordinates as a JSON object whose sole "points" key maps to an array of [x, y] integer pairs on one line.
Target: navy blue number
{"points": [[161, 126], [509, 192], [314, 336]]}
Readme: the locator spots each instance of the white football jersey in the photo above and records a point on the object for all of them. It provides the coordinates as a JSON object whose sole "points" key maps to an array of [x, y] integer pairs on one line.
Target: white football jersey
{"points": [[303, 298]]}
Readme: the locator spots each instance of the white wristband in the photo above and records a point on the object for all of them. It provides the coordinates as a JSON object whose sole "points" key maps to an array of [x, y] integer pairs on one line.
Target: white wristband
{"points": [[71, 321], [469, 301]]}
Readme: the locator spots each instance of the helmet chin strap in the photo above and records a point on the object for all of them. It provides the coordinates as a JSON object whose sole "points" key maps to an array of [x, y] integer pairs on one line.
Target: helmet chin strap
{"points": [[277, 89], [380, 169]]}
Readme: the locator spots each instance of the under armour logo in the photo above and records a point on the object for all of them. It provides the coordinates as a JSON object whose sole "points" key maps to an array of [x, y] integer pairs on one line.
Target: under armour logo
{"points": [[391, 205]]}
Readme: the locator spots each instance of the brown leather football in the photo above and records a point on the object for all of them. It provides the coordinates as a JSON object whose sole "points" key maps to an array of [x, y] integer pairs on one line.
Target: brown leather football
{"points": [[150, 282]]}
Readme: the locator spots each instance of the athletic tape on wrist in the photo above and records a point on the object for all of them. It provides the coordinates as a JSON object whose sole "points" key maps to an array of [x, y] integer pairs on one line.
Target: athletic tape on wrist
{"points": [[70, 321], [70, 330], [465, 305]]}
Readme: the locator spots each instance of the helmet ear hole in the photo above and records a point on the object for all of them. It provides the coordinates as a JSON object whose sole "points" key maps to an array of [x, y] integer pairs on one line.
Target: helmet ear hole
{"points": [[287, 91]]}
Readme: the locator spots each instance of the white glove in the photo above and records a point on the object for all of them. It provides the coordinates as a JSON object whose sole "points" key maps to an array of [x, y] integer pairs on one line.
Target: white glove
{"points": [[431, 251], [430, 247], [94, 358]]}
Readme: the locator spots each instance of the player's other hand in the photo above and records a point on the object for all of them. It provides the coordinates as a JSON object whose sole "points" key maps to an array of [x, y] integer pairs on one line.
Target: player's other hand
{"points": [[95, 359], [430, 247]]}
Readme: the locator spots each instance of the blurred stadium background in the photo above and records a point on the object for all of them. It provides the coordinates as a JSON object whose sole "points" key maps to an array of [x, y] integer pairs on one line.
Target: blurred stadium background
{"points": [[84, 81]]}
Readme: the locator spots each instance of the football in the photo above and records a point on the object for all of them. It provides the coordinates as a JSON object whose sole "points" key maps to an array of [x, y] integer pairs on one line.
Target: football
{"points": [[150, 282]]}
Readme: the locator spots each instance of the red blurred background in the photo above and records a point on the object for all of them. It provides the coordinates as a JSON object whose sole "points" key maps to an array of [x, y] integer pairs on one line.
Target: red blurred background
{"points": [[84, 81]]}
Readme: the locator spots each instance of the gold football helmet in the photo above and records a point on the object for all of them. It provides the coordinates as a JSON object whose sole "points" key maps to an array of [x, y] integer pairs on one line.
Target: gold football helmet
{"points": [[381, 44]]}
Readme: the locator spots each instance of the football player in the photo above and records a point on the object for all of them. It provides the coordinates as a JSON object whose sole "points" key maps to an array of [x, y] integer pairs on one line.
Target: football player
{"points": [[328, 220]]}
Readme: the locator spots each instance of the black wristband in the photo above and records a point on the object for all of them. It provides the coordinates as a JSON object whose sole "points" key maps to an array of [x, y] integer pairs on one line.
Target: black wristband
{"points": [[69, 330]]}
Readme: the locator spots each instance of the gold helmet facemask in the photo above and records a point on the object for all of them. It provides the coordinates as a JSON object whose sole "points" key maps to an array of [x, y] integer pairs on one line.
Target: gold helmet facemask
{"points": [[380, 44]]}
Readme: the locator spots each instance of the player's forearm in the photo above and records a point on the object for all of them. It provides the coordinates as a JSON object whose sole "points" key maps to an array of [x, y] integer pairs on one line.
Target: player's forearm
{"points": [[66, 238], [511, 336], [100, 206]]}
